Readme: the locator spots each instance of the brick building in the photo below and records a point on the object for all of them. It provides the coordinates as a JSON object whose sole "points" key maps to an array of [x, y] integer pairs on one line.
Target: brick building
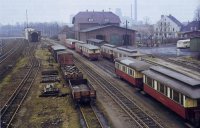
{"points": [[103, 26], [84, 20], [110, 33]]}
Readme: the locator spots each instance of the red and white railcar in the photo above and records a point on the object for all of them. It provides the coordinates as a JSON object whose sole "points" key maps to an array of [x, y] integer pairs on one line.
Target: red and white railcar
{"points": [[78, 46], [70, 43], [176, 91], [130, 70], [125, 52], [107, 51], [92, 52]]}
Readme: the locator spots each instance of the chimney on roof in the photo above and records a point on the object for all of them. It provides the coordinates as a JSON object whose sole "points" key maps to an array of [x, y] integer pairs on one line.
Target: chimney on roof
{"points": [[93, 10], [103, 10], [162, 16], [87, 10]]}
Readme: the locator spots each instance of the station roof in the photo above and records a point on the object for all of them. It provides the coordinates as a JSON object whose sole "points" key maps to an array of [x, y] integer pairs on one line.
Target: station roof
{"points": [[177, 81], [58, 47], [133, 63]]}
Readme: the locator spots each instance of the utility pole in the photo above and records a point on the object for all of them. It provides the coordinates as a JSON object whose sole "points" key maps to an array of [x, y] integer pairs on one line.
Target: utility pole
{"points": [[126, 36], [1, 47]]}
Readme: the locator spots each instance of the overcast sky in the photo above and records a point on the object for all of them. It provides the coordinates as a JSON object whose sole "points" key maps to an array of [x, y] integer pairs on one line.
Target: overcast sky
{"points": [[12, 11]]}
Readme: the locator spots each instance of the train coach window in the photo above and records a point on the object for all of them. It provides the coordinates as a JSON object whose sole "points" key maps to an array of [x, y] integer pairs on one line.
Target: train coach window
{"points": [[97, 51], [117, 65], [170, 95], [181, 97], [130, 72], [162, 89], [150, 82], [123, 68], [175, 96], [198, 102]]}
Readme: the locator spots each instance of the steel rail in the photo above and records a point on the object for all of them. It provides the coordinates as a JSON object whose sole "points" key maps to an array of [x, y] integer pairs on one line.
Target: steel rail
{"points": [[134, 111]]}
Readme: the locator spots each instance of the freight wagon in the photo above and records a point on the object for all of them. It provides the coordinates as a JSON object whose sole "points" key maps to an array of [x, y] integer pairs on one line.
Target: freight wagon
{"points": [[71, 73], [82, 92], [55, 49], [64, 58]]}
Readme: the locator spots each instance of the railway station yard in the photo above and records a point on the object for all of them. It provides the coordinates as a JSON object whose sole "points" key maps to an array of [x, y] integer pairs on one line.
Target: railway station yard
{"points": [[51, 112]]}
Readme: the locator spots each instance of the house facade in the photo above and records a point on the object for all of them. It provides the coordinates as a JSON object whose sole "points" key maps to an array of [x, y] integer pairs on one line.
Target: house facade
{"points": [[192, 29], [88, 19], [167, 27]]}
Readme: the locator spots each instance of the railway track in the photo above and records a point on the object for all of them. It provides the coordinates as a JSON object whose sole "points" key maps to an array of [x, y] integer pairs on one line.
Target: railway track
{"points": [[11, 107], [90, 117], [105, 65], [10, 52], [138, 116]]}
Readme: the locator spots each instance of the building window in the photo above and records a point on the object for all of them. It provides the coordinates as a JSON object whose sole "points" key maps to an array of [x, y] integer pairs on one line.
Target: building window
{"points": [[173, 29], [90, 19], [106, 20]]}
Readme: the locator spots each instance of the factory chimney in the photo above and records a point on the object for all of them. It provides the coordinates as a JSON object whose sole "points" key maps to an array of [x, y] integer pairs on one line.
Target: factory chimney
{"points": [[135, 10]]}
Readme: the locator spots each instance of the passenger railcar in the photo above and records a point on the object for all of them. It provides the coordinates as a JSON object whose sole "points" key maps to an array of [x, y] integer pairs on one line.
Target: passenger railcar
{"points": [[130, 70], [124, 52], [176, 91], [107, 51], [90, 51], [55, 49], [82, 92], [70, 43], [78, 46]]}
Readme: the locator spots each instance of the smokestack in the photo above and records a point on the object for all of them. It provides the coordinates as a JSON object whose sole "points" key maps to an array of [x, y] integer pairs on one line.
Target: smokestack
{"points": [[131, 13], [135, 10]]}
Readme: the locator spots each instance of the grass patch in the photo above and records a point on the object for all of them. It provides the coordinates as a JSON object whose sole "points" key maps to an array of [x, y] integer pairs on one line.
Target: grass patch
{"points": [[8, 78]]}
